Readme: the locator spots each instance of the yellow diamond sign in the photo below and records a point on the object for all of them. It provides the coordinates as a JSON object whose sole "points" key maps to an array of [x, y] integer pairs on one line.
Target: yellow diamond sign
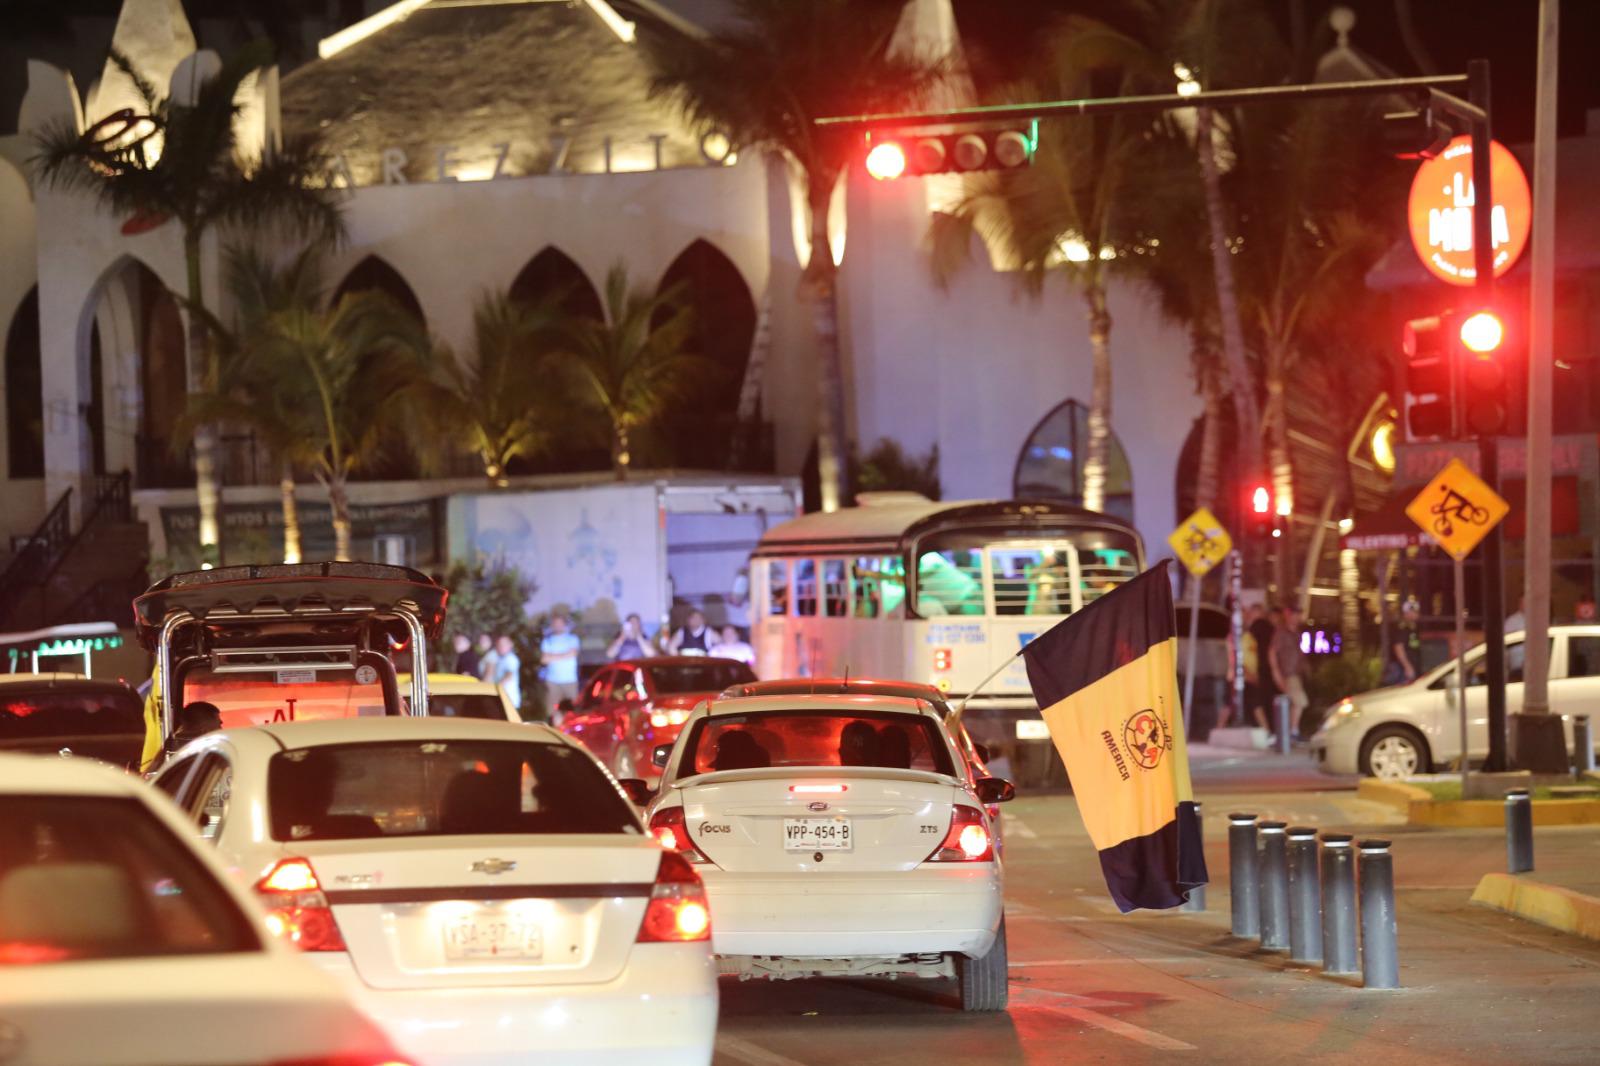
{"points": [[1457, 509], [1200, 543]]}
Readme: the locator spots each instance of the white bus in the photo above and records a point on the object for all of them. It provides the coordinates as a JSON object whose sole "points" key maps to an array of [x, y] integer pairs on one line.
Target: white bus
{"points": [[942, 593]]}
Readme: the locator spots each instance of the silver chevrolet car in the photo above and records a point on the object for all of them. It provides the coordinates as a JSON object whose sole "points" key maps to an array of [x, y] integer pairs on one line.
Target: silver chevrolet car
{"points": [[1413, 728]]}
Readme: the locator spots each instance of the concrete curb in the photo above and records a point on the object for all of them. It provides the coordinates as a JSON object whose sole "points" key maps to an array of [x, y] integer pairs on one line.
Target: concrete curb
{"points": [[1559, 908], [1420, 808]]}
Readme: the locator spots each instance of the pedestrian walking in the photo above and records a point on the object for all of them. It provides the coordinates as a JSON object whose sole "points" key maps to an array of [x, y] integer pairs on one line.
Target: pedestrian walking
{"points": [[1289, 662], [486, 657], [508, 671], [466, 658], [1258, 696], [559, 657], [1405, 648]]}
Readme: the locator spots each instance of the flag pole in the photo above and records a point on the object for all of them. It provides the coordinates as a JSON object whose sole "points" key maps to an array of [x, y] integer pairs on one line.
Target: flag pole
{"points": [[962, 706]]}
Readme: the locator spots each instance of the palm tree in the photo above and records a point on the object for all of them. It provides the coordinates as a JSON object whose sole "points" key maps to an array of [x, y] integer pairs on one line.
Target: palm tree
{"points": [[1074, 211], [496, 401], [762, 80], [198, 181], [629, 368], [349, 371]]}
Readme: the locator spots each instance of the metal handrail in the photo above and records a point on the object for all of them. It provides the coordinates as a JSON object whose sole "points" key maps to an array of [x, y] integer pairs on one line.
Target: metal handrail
{"points": [[55, 528]]}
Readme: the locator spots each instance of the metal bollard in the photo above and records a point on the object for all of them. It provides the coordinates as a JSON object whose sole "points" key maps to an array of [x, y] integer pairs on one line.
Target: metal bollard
{"points": [[1380, 955], [1339, 953], [1519, 831], [1582, 745], [1282, 708], [1274, 887], [1197, 895], [1305, 897], [1243, 887]]}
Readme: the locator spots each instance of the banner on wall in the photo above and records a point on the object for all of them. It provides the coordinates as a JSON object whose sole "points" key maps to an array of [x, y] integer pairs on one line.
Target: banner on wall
{"points": [[406, 532]]}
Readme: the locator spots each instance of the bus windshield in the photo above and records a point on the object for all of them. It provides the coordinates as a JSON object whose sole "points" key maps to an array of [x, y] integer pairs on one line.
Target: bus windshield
{"points": [[977, 572]]}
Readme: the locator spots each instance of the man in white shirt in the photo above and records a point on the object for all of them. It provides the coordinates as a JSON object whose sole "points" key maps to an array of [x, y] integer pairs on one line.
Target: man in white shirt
{"points": [[733, 646]]}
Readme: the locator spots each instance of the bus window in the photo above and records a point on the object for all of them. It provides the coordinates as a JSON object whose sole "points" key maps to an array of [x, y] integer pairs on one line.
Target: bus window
{"points": [[1103, 569], [835, 588], [805, 588], [778, 588], [950, 582], [892, 585], [1029, 580], [868, 601]]}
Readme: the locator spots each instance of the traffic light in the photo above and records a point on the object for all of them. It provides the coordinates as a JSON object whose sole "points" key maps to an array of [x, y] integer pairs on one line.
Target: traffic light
{"points": [[892, 155], [1430, 350], [1419, 134], [1258, 510], [1483, 373]]}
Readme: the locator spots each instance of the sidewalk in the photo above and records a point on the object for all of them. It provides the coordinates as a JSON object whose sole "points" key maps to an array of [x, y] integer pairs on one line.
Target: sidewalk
{"points": [[1562, 890]]}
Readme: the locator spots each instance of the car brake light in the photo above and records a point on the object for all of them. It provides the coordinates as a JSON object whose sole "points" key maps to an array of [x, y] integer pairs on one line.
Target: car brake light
{"points": [[28, 953], [658, 718], [297, 911], [383, 1058], [668, 826], [671, 716], [968, 839], [819, 788], [941, 659], [677, 911]]}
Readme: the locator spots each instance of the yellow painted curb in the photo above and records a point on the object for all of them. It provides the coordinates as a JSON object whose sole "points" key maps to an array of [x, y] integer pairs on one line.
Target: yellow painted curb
{"points": [[1491, 814], [1396, 794], [1559, 908]]}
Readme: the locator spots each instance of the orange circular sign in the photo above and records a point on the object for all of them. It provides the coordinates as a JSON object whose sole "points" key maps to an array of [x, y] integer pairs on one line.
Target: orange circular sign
{"points": [[1440, 211]]}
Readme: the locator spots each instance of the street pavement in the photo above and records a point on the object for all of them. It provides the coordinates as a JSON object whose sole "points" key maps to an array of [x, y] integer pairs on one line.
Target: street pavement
{"points": [[1091, 985]]}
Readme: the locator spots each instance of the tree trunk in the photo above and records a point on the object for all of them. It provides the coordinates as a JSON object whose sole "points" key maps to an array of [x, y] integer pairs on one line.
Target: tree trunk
{"points": [[1280, 469], [1097, 447], [202, 377], [822, 277], [1247, 418], [291, 515], [339, 504], [619, 451], [1208, 477]]}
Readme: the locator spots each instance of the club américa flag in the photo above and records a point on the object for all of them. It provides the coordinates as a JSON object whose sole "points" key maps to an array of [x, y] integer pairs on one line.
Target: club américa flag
{"points": [[1107, 684]]}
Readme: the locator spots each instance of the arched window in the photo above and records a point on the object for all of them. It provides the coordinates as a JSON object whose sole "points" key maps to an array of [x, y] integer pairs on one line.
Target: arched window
{"points": [[553, 275], [25, 391], [373, 274], [1050, 465], [699, 431]]}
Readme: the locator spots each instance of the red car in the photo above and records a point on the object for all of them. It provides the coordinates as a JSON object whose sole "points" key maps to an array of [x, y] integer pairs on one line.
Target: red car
{"points": [[631, 705]]}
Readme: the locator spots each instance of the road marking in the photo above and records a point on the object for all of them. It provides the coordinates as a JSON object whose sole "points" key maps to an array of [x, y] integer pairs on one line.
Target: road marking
{"points": [[752, 1054], [1127, 1030], [1119, 961], [1016, 825]]}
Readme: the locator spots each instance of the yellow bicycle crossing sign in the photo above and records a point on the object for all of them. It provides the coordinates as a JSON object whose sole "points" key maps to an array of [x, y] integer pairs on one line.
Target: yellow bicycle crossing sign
{"points": [[1200, 543], [1457, 509]]}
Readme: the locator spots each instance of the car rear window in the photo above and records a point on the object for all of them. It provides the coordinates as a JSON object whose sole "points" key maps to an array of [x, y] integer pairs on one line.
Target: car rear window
{"points": [[441, 788], [815, 738], [86, 877], [28, 713], [466, 706], [712, 675]]}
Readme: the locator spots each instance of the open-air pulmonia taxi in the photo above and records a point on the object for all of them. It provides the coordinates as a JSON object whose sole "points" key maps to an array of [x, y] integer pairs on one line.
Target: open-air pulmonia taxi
{"points": [[288, 643]]}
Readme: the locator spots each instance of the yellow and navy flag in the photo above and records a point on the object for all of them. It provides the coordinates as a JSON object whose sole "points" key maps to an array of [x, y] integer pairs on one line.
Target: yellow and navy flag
{"points": [[1106, 680]]}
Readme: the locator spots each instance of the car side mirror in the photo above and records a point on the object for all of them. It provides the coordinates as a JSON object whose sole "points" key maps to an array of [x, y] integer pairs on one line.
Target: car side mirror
{"points": [[660, 754], [995, 790], [640, 793], [982, 751]]}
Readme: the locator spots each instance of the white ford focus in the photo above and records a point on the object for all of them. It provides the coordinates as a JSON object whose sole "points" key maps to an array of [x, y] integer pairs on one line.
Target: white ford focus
{"points": [[122, 944], [838, 835], [483, 889]]}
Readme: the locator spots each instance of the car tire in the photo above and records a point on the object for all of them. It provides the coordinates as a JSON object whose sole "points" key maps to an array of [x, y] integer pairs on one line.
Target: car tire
{"points": [[1394, 752], [983, 981]]}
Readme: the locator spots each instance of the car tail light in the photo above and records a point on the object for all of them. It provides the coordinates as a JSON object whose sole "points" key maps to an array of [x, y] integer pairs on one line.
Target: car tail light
{"points": [[670, 716], [968, 839], [29, 953], [677, 912], [941, 659], [668, 826], [297, 911], [382, 1058], [819, 788]]}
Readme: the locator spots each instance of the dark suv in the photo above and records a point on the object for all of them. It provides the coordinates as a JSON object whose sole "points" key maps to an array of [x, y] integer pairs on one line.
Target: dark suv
{"points": [[60, 714]]}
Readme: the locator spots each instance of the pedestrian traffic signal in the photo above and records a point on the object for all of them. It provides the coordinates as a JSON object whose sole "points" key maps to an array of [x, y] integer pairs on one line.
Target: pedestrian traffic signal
{"points": [[1430, 349], [1483, 373], [892, 155], [1420, 134]]}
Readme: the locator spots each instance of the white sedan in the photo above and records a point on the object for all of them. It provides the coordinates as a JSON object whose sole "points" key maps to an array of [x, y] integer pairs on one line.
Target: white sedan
{"points": [[484, 890], [838, 836], [1411, 729], [122, 943]]}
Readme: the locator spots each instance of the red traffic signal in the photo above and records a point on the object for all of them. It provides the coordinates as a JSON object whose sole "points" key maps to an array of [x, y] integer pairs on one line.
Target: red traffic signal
{"points": [[893, 155], [1482, 332], [1483, 373]]}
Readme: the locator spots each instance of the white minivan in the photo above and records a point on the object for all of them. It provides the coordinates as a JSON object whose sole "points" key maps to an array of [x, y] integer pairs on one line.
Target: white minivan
{"points": [[838, 835], [1411, 729]]}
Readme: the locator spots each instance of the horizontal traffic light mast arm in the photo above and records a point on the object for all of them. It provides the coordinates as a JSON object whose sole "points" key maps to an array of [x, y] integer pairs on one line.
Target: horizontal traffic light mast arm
{"points": [[1166, 102]]}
